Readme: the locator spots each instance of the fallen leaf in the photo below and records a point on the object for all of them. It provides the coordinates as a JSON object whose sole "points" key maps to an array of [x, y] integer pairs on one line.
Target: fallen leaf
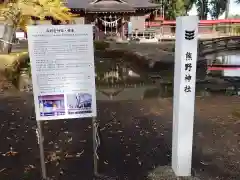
{"points": [[83, 141], [79, 154], [70, 139], [204, 163], [105, 162], [3, 170], [10, 153], [68, 156]]}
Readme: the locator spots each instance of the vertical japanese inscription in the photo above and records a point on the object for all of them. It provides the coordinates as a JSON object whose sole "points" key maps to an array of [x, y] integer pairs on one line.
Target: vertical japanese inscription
{"points": [[188, 74]]}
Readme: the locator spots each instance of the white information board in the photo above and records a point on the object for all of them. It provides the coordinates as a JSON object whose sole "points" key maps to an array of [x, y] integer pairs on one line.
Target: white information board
{"points": [[184, 93], [63, 73]]}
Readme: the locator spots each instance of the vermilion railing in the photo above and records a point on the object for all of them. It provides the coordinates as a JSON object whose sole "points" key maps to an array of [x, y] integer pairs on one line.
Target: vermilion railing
{"points": [[201, 22]]}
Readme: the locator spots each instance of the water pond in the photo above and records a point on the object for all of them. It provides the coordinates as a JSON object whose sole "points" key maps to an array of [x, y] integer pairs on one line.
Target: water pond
{"points": [[218, 73]]}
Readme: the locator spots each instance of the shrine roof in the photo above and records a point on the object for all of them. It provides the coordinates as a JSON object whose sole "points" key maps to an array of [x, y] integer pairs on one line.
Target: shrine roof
{"points": [[110, 5]]}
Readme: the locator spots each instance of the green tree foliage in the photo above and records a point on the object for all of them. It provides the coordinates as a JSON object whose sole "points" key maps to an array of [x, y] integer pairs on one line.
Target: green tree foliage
{"points": [[179, 7], [218, 7], [172, 8], [19, 13], [202, 8], [188, 4]]}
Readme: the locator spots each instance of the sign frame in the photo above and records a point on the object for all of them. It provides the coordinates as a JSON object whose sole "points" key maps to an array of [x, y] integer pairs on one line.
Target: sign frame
{"points": [[43, 44], [76, 29]]}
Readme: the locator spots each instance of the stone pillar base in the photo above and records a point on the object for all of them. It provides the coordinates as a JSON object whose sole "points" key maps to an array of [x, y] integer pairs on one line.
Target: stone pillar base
{"points": [[166, 173]]}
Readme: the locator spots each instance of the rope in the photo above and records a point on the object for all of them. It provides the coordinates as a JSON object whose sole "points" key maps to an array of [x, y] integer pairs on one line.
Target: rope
{"points": [[109, 23], [97, 138], [38, 136]]}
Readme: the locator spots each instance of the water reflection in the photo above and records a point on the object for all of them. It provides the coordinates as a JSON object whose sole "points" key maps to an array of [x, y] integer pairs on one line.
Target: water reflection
{"points": [[115, 72], [226, 65], [232, 60], [124, 77]]}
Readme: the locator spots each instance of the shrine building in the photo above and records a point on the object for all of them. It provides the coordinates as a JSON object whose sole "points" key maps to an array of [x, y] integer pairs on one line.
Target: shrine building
{"points": [[113, 17]]}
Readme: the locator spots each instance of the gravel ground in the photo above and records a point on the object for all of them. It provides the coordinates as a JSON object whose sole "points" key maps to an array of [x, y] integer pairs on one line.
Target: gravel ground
{"points": [[136, 138]]}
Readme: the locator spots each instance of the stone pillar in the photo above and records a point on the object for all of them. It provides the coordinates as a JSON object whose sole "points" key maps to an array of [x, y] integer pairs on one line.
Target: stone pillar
{"points": [[123, 24], [2, 30], [79, 20], [24, 82]]}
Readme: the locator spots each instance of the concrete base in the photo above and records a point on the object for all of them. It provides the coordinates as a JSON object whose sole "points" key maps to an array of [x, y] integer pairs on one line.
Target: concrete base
{"points": [[166, 173]]}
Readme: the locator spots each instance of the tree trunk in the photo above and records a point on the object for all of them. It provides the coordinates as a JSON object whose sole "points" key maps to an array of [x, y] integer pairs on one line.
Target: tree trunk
{"points": [[6, 44], [10, 32]]}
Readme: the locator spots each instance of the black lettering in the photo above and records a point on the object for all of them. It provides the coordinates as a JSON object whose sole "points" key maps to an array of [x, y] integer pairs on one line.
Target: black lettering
{"points": [[188, 77], [187, 88], [188, 66]]}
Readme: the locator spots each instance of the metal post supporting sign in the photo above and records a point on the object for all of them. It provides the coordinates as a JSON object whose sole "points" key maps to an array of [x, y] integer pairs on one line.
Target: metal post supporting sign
{"points": [[184, 93], [96, 144], [41, 149]]}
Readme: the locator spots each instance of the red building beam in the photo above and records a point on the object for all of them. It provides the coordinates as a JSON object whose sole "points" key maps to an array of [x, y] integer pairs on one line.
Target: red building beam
{"points": [[201, 22]]}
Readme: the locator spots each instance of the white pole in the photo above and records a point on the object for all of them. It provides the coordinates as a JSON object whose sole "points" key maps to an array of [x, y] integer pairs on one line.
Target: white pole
{"points": [[184, 93], [122, 24], [111, 25], [105, 24], [116, 24]]}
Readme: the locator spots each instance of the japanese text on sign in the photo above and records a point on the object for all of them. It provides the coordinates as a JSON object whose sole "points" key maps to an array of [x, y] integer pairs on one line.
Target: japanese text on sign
{"points": [[63, 73], [188, 70], [58, 30]]}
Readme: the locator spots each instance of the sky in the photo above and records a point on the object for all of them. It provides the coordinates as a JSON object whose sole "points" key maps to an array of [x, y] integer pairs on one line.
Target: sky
{"points": [[233, 9]]}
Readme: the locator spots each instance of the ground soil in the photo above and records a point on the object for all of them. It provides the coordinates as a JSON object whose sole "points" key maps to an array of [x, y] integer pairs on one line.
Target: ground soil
{"points": [[136, 138]]}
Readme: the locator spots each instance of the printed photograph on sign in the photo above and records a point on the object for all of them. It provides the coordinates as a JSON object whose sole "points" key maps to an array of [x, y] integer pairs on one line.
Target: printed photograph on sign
{"points": [[51, 105], [79, 103]]}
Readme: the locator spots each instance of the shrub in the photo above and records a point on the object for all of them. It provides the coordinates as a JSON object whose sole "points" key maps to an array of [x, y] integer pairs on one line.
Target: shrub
{"points": [[101, 45], [236, 113], [13, 72]]}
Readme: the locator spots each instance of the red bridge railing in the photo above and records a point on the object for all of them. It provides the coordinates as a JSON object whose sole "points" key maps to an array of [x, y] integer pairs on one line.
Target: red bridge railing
{"points": [[201, 22]]}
